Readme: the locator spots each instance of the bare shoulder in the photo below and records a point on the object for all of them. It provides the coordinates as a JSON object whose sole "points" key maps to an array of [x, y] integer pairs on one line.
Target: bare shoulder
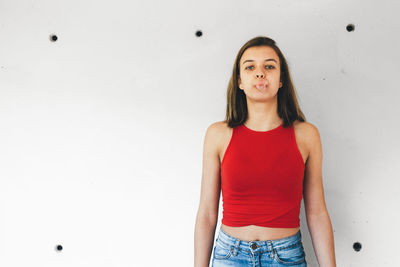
{"points": [[216, 129], [304, 126], [219, 134], [219, 128], [307, 133]]}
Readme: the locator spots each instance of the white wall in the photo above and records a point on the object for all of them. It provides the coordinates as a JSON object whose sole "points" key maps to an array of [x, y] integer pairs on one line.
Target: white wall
{"points": [[101, 132]]}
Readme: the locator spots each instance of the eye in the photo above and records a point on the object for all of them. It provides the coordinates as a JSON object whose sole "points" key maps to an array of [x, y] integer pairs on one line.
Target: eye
{"points": [[273, 67]]}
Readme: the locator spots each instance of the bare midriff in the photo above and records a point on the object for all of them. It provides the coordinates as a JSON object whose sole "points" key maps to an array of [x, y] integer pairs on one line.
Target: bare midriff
{"points": [[258, 233]]}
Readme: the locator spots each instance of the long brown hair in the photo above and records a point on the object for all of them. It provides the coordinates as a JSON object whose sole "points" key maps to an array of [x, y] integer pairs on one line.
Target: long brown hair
{"points": [[288, 106]]}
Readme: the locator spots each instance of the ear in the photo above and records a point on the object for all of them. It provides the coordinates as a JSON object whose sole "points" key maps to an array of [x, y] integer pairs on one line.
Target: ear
{"points": [[280, 84], [240, 83]]}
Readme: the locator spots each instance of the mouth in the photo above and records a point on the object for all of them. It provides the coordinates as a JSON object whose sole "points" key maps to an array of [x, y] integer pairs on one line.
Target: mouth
{"points": [[260, 86]]}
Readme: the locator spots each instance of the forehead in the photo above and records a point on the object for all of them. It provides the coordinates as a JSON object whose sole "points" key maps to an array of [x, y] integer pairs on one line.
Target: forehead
{"points": [[259, 53]]}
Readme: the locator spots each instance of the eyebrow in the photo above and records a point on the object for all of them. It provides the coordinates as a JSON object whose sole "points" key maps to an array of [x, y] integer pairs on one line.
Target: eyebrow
{"points": [[251, 60]]}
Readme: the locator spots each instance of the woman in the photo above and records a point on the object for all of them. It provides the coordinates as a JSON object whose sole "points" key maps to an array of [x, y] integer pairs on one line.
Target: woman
{"points": [[265, 158]]}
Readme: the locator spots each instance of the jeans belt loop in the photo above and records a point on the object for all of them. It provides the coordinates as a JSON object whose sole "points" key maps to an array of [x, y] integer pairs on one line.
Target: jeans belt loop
{"points": [[236, 248]]}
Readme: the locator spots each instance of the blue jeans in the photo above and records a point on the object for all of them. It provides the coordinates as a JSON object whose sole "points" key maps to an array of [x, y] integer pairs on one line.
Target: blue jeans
{"points": [[232, 251]]}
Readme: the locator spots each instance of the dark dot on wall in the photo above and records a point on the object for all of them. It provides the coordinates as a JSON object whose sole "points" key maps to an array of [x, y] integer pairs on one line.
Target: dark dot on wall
{"points": [[357, 246], [350, 27], [199, 33], [59, 248], [53, 37]]}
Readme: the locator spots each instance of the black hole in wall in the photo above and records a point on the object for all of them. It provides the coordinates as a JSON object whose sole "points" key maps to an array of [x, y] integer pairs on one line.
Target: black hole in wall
{"points": [[357, 246], [53, 37], [199, 33], [59, 248], [350, 27]]}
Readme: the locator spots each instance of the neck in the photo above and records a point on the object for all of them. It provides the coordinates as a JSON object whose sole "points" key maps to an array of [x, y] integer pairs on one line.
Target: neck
{"points": [[263, 116]]}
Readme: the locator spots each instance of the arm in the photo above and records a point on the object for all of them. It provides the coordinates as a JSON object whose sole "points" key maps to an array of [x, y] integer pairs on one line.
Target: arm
{"points": [[207, 214], [318, 220]]}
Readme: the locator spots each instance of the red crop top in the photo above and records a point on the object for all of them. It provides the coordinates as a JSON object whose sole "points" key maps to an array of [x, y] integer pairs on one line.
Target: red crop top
{"points": [[262, 178]]}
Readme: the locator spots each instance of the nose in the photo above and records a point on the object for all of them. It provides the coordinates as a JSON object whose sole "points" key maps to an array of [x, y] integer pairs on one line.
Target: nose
{"points": [[260, 74]]}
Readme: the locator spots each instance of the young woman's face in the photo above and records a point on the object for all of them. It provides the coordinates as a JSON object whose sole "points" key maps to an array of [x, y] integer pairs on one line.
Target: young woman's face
{"points": [[260, 72]]}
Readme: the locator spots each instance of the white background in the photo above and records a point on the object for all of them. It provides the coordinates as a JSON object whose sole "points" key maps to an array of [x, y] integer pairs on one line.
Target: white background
{"points": [[101, 132]]}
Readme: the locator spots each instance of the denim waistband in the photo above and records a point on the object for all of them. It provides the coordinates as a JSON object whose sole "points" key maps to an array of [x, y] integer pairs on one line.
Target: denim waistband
{"points": [[262, 245]]}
